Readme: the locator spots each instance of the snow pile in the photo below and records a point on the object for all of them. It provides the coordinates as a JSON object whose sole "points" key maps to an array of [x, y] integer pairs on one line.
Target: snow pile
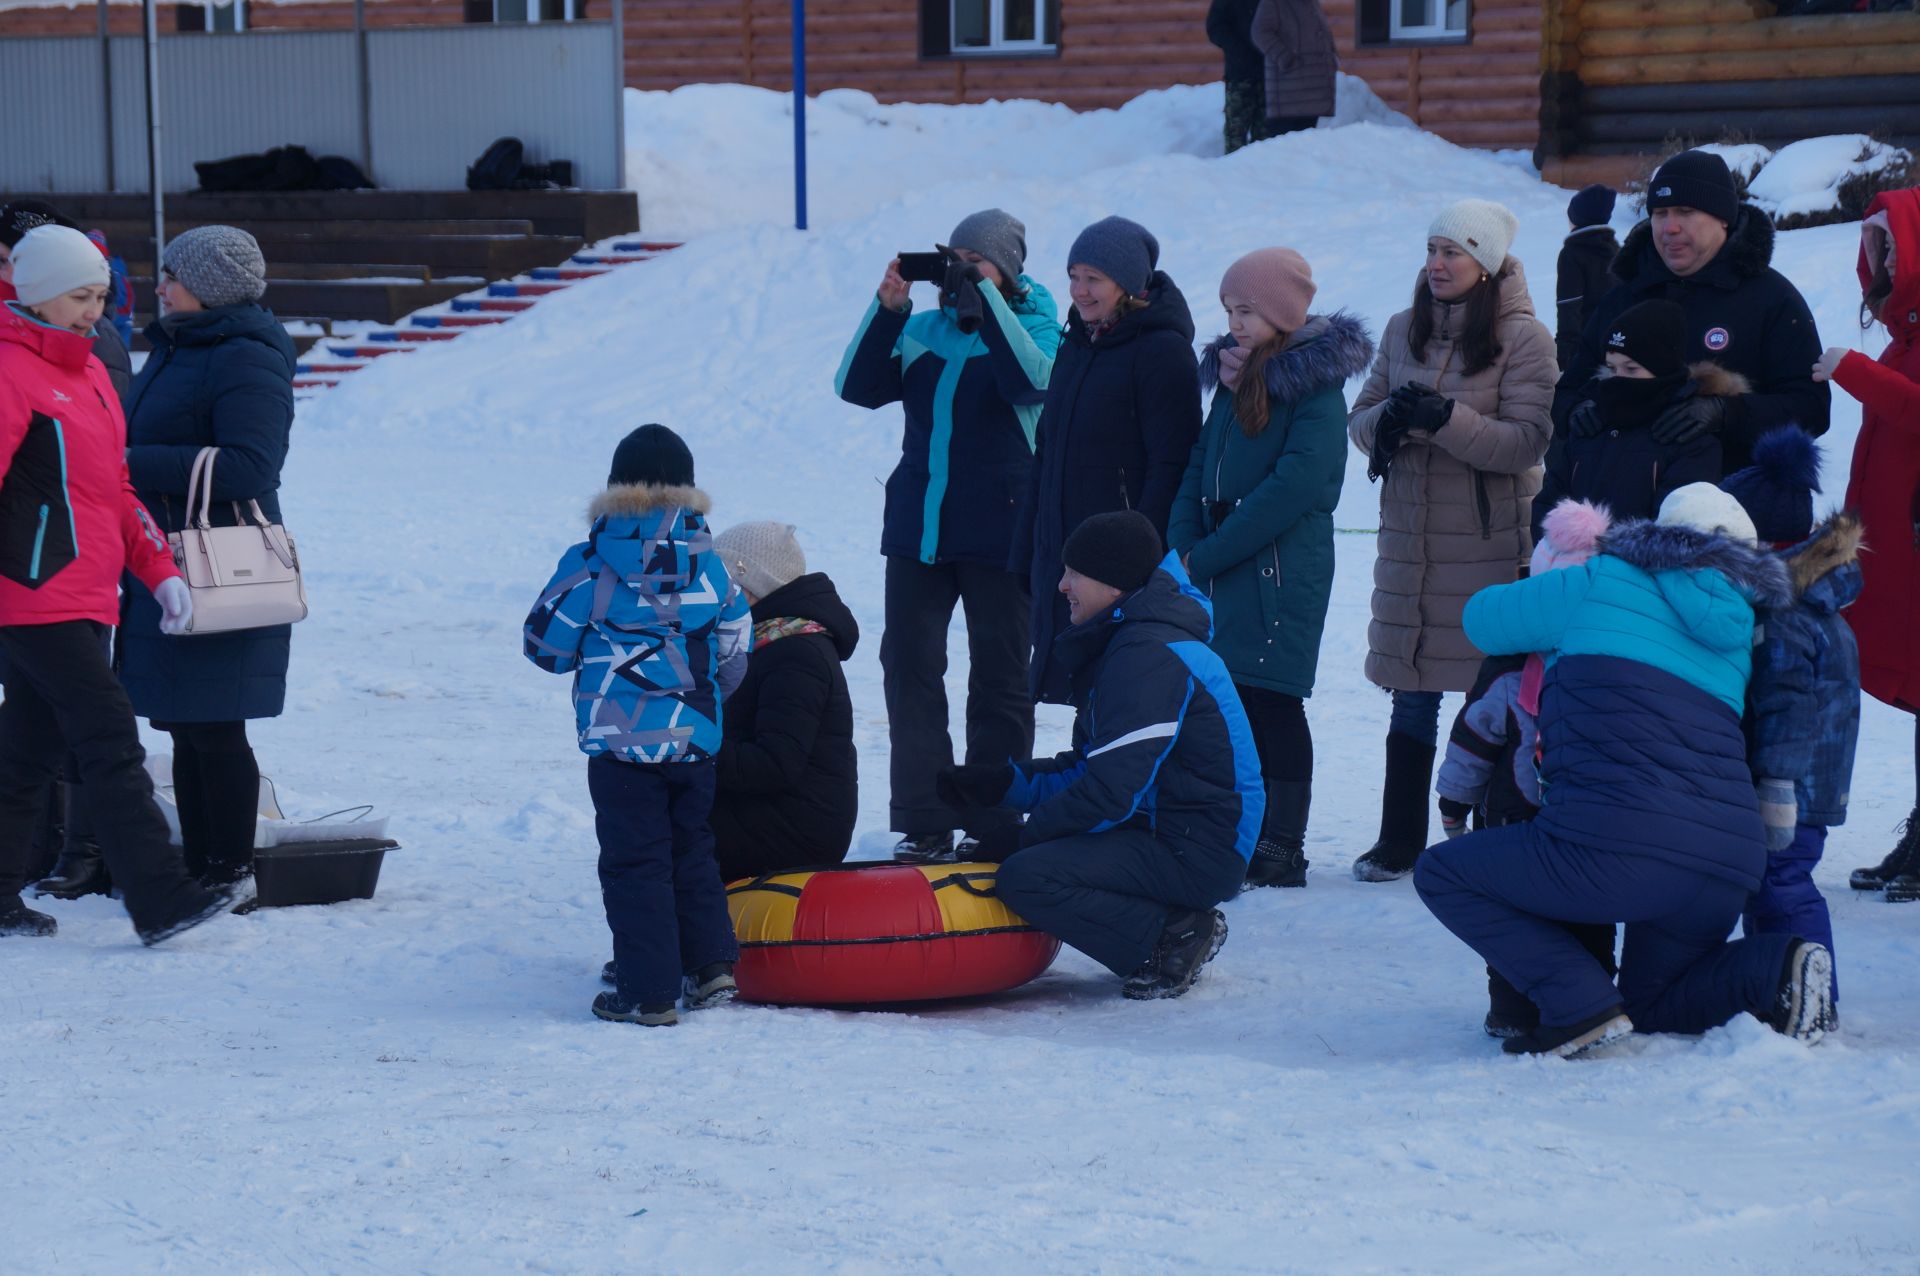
{"points": [[1804, 179], [413, 1083], [711, 157], [1744, 159]]}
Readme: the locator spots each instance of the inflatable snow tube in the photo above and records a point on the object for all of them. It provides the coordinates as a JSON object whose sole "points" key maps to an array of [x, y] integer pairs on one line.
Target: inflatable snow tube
{"points": [[866, 934]]}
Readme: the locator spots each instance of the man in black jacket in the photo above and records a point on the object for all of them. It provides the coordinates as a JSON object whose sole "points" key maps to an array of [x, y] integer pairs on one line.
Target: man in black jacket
{"points": [[1712, 255], [1230, 28], [1585, 268], [1148, 821]]}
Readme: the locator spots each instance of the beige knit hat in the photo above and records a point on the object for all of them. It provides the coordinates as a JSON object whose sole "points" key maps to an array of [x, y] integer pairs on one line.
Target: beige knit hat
{"points": [[1485, 229], [1279, 283], [761, 557]]}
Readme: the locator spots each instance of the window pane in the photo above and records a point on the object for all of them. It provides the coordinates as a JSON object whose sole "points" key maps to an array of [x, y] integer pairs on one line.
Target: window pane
{"points": [[970, 24], [1023, 19], [553, 10], [509, 10], [1413, 13], [1456, 15]]}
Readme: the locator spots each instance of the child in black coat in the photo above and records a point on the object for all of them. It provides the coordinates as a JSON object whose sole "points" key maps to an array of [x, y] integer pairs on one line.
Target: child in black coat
{"points": [[1585, 267], [1609, 456]]}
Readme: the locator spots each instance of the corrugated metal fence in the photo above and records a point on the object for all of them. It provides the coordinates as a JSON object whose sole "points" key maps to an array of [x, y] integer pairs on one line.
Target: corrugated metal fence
{"points": [[436, 96]]}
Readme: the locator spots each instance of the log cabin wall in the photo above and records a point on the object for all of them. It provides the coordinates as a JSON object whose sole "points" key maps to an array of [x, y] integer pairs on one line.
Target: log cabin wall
{"points": [[1624, 76], [1484, 92]]}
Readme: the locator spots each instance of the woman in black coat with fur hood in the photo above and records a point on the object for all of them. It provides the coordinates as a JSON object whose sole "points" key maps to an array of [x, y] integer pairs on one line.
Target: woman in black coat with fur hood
{"points": [[788, 779]]}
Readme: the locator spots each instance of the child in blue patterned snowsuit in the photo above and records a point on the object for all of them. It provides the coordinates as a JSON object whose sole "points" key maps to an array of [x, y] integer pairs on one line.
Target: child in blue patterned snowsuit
{"points": [[643, 616], [1803, 705]]}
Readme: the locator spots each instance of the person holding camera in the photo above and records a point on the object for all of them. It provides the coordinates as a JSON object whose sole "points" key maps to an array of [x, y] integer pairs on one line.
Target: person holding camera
{"points": [[971, 375], [1120, 419], [1454, 419], [1253, 523]]}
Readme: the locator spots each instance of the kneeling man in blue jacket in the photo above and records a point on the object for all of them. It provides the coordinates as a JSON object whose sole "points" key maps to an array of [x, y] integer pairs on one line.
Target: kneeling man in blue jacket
{"points": [[1148, 821], [1649, 815]]}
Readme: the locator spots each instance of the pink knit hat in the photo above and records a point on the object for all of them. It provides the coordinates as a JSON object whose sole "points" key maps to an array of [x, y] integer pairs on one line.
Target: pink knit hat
{"points": [[1277, 281], [1569, 535]]}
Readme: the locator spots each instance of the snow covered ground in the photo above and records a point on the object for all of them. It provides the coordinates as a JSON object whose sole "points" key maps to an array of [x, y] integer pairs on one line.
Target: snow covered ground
{"points": [[413, 1084]]}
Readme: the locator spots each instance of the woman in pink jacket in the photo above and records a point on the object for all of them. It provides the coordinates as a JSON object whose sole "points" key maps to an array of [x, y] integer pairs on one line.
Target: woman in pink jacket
{"points": [[70, 525]]}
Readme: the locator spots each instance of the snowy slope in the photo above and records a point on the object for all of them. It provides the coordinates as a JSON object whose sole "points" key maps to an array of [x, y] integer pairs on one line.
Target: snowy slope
{"points": [[413, 1083]]}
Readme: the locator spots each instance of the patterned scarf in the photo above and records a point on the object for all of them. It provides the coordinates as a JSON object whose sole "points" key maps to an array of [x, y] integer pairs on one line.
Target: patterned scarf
{"points": [[773, 629]]}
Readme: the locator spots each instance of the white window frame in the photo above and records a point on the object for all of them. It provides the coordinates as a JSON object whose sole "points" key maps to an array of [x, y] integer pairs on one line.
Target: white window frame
{"points": [[238, 7], [997, 41], [1435, 28], [533, 17]]}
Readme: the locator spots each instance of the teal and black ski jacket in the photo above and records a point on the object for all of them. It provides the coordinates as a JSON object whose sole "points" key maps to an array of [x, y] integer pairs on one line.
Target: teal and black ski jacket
{"points": [[971, 403]]}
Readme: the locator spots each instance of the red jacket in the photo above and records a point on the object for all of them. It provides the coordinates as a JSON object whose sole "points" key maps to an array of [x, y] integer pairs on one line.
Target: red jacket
{"points": [[1885, 484], [69, 521]]}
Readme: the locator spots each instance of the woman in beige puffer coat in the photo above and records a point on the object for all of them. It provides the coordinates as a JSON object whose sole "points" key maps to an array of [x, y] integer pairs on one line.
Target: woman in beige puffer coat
{"points": [[1459, 424]]}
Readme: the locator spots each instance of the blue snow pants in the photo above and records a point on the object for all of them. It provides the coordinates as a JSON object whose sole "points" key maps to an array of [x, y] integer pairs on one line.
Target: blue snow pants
{"points": [[666, 904], [1503, 891], [1110, 894], [1788, 903]]}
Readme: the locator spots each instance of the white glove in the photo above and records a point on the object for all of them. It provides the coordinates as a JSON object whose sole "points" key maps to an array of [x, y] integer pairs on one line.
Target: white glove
{"points": [[176, 605]]}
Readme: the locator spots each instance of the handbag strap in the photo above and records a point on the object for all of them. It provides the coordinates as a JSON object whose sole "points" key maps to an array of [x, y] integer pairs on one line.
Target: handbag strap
{"points": [[200, 486]]}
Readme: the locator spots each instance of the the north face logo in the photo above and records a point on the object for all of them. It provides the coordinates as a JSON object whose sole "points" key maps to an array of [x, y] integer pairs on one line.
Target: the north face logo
{"points": [[1664, 192], [58, 397]]}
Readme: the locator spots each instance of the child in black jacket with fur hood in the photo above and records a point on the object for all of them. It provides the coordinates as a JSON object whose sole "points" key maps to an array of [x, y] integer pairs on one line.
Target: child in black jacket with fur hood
{"points": [[1609, 456]]}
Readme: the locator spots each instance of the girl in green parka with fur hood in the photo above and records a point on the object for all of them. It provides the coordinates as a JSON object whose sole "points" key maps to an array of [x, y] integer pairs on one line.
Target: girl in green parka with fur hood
{"points": [[1254, 519]]}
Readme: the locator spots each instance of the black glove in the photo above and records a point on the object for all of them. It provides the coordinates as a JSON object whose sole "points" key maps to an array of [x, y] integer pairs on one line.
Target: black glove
{"points": [[963, 787], [1584, 421], [1389, 432], [1426, 408], [996, 844], [1690, 418]]}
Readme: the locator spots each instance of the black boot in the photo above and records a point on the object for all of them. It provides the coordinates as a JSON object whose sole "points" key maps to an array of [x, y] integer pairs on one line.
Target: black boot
{"points": [[17, 919], [1510, 1012], [924, 848], [1901, 859], [1193, 937], [1603, 1029], [1403, 811], [1280, 858], [79, 871]]}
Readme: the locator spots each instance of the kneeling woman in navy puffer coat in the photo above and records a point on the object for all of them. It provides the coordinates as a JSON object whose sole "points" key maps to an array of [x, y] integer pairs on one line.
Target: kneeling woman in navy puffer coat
{"points": [[1649, 814]]}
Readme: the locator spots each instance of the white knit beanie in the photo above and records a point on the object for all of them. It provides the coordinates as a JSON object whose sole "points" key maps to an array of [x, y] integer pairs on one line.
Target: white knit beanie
{"points": [[761, 557], [1485, 229], [51, 261], [1705, 508]]}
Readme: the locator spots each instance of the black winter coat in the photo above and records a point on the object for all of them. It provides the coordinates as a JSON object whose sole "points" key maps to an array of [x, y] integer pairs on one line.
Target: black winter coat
{"points": [[1585, 276], [1120, 421], [1741, 313], [788, 778], [1626, 469], [1230, 28], [218, 378]]}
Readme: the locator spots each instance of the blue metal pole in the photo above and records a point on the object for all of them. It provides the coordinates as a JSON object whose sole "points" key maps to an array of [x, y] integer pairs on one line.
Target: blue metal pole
{"points": [[800, 114]]}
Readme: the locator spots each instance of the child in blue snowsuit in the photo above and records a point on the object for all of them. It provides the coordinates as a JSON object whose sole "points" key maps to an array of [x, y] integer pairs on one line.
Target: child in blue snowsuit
{"points": [[1803, 706], [1649, 815], [643, 616], [1493, 752]]}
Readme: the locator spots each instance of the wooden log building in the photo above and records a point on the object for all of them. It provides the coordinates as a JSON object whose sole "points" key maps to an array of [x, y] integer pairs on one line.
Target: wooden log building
{"points": [[1585, 84]]}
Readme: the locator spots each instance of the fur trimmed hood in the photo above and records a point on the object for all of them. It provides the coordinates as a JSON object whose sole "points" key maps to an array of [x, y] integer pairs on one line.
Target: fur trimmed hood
{"points": [[1656, 548], [1327, 351], [1748, 252], [635, 500], [1710, 378], [1825, 568]]}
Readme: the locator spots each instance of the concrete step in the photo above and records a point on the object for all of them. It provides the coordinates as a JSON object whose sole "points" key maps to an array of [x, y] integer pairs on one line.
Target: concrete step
{"points": [[587, 215], [340, 298]]}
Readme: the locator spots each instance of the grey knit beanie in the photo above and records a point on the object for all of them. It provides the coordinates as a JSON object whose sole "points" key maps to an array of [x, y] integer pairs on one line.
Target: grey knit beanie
{"points": [[761, 557], [1124, 251], [998, 236], [220, 265]]}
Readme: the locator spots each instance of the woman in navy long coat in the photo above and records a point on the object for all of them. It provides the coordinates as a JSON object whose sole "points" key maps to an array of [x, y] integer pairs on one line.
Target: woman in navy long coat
{"points": [[220, 375], [1121, 416]]}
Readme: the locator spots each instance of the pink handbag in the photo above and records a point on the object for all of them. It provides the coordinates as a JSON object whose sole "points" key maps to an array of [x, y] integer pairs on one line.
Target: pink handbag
{"points": [[241, 577]]}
